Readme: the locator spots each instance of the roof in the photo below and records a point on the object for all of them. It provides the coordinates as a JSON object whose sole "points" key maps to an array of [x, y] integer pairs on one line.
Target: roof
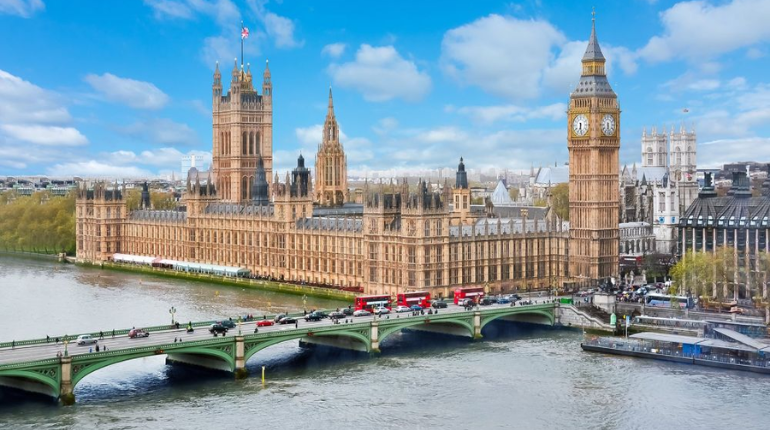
{"points": [[494, 226], [741, 338], [593, 85], [651, 173], [330, 223], [593, 51], [500, 196], [348, 209], [552, 175], [664, 337]]}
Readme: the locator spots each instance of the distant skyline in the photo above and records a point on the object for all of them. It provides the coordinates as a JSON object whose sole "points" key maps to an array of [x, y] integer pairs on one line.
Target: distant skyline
{"points": [[123, 89]]}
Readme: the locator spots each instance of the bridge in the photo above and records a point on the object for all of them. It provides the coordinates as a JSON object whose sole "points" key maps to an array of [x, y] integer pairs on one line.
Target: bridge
{"points": [[54, 369]]}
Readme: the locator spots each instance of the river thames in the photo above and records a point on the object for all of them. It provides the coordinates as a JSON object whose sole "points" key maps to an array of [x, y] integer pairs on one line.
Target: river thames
{"points": [[517, 377]]}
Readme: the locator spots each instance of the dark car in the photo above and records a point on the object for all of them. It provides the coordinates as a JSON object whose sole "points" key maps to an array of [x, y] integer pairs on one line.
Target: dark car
{"points": [[468, 303], [492, 299], [279, 317], [514, 297], [217, 328], [486, 301], [287, 320], [438, 304], [503, 301], [315, 316], [347, 311], [339, 314], [227, 323]]}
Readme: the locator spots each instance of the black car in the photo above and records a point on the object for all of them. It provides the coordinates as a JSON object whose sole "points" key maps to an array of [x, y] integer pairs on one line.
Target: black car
{"points": [[315, 316], [438, 304], [227, 323], [492, 299], [347, 311], [339, 314], [514, 297], [217, 328], [287, 320], [279, 317], [486, 301]]}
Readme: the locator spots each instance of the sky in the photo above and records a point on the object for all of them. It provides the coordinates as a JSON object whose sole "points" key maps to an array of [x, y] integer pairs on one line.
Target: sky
{"points": [[123, 88]]}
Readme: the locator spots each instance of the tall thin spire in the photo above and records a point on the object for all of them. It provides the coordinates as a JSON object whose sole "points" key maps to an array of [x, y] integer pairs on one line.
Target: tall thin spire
{"points": [[330, 111], [593, 51]]}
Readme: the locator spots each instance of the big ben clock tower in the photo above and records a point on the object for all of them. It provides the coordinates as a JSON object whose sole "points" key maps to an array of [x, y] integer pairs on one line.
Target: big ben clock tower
{"points": [[593, 142]]}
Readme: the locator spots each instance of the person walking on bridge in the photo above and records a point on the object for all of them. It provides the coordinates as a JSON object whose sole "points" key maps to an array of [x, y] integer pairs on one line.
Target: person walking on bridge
{"points": [[101, 335]]}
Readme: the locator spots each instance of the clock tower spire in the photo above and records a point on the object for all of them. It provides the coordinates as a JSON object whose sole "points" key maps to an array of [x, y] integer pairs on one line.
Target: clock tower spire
{"points": [[594, 144]]}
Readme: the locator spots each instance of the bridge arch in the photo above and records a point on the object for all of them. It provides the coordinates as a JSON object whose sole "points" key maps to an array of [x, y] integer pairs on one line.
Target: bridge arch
{"points": [[533, 315], [46, 381], [82, 368], [387, 330], [253, 346]]}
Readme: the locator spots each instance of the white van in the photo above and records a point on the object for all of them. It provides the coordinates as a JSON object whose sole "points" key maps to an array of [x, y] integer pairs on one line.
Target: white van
{"points": [[86, 339]]}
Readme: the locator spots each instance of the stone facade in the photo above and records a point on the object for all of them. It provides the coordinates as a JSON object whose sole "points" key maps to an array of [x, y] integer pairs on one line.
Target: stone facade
{"points": [[399, 237]]}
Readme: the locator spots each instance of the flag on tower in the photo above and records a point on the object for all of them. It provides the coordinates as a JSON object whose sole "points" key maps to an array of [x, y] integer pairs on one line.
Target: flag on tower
{"points": [[244, 33]]}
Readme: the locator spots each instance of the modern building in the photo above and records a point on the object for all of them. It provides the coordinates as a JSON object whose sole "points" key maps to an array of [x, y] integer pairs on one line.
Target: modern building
{"points": [[402, 236]]}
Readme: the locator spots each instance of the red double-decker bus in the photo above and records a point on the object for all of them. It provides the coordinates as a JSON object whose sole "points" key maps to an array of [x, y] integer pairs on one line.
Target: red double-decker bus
{"points": [[421, 298], [372, 302], [473, 293]]}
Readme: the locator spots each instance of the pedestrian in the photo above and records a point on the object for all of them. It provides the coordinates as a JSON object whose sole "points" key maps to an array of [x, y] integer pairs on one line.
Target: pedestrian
{"points": [[47, 339], [101, 335], [296, 324], [13, 344], [113, 333], [97, 347], [104, 348], [57, 340], [180, 339], [90, 350], [174, 340]]}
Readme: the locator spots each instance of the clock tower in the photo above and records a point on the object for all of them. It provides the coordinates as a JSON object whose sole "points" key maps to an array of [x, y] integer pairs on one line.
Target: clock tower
{"points": [[594, 143]]}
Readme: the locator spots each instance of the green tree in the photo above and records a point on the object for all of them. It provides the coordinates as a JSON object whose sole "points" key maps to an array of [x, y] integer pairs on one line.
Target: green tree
{"points": [[513, 192], [162, 200], [560, 200], [38, 223]]}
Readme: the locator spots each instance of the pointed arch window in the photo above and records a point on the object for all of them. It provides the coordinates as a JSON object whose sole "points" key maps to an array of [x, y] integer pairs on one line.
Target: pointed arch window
{"points": [[244, 143]]}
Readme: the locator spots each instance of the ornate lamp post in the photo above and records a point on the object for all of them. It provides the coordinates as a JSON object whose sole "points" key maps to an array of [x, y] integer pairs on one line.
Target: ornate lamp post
{"points": [[172, 311], [66, 341], [304, 302]]}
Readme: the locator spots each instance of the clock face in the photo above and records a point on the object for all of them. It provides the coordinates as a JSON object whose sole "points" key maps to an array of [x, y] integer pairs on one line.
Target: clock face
{"points": [[608, 125], [580, 125]]}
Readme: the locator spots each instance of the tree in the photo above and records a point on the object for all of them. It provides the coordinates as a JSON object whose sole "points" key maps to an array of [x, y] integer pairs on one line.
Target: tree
{"points": [[692, 274], [38, 223], [513, 192], [560, 200], [163, 200]]}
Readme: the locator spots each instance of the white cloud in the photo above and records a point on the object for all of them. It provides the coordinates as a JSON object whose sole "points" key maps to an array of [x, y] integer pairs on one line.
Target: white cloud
{"points": [[24, 102], [167, 158], [162, 131], [22, 8], [502, 55], [385, 125], [334, 50], [310, 136], [704, 85], [513, 113], [712, 154], [45, 135], [94, 168], [278, 28], [755, 53], [136, 94], [381, 74], [164, 9], [224, 12], [699, 31]]}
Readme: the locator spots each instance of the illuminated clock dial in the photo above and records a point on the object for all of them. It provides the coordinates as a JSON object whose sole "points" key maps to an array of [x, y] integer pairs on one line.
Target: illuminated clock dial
{"points": [[608, 125], [580, 125]]}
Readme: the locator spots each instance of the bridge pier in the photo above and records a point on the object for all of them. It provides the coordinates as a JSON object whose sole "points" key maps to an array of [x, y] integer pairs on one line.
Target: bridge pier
{"points": [[240, 359], [375, 336], [66, 389], [477, 325]]}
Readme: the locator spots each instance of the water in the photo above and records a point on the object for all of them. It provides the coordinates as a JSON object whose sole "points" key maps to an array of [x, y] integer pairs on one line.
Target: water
{"points": [[518, 377]]}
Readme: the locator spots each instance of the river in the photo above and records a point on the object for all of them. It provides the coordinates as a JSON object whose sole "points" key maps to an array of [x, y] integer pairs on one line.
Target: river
{"points": [[517, 377]]}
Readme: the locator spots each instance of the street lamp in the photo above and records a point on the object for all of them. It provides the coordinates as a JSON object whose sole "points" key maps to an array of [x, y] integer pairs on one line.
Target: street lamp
{"points": [[172, 311], [66, 341], [304, 302], [239, 325]]}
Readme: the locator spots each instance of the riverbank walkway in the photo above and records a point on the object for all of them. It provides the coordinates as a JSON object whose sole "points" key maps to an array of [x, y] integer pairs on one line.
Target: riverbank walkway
{"points": [[43, 366]]}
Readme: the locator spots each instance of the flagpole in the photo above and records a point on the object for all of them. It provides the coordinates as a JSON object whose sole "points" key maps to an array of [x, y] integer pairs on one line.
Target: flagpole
{"points": [[241, 44]]}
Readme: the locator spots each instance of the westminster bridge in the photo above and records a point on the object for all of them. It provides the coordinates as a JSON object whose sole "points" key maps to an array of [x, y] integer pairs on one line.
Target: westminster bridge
{"points": [[55, 368]]}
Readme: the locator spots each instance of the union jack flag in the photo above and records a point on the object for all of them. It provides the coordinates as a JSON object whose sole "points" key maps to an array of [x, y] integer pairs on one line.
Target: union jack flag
{"points": [[244, 33]]}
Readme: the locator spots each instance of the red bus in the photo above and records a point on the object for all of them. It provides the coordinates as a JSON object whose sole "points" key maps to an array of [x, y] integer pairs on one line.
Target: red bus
{"points": [[372, 302], [473, 293], [421, 298]]}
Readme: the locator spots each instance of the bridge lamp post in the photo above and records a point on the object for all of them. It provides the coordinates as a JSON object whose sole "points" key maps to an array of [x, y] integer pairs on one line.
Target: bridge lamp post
{"points": [[240, 322], [172, 311], [66, 341]]}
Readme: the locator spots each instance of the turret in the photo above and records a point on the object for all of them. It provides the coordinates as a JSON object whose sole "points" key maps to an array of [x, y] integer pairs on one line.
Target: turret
{"points": [[216, 88], [267, 85]]}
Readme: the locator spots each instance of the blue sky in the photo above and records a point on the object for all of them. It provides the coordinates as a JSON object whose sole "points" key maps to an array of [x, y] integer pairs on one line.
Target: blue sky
{"points": [[123, 88]]}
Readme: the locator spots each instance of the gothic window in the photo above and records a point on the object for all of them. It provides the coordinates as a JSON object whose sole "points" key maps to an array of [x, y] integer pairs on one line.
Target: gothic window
{"points": [[244, 187], [677, 156], [649, 156], [427, 228], [244, 143], [257, 144], [251, 143]]}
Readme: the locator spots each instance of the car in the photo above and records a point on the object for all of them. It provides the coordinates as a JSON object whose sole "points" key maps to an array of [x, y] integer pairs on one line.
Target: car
{"points": [[338, 315], [468, 303], [347, 311], [287, 320], [315, 316], [438, 304], [503, 301], [265, 323], [137, 332], [514, 297], [416, 308], [400, 309], [382, 311], [492, 299], [361, 313], [227, 323], [279, 317], [486, 301], [217, 328], [86, 339]]}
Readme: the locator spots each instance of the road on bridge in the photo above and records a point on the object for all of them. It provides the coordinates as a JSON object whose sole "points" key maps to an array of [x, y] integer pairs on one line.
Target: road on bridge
{"points": [[34, 352]]}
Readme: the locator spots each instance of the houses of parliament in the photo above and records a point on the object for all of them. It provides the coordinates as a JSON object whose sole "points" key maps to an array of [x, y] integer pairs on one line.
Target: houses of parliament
{"points": [[400, 236]]}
